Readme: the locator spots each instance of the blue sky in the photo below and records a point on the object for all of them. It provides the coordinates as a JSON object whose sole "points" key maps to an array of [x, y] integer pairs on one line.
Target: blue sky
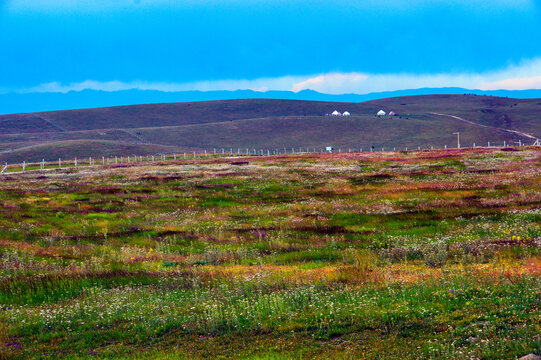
{"points": [[324, 45]]}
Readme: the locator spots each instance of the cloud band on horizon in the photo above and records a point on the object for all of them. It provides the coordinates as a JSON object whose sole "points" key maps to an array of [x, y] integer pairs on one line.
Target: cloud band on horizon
{"points": [[526, 75]]}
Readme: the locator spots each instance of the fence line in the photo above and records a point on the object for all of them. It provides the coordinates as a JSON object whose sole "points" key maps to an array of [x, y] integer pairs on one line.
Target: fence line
{"points": [[76, 163]]}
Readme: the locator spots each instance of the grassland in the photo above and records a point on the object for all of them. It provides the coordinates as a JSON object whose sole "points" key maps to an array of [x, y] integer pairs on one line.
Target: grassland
{"points": [[266, 124], [70, 149], [420, 254]]}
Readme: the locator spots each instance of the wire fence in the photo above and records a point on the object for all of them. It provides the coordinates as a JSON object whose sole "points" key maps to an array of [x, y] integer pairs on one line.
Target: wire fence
{"points": [[215, 153]]}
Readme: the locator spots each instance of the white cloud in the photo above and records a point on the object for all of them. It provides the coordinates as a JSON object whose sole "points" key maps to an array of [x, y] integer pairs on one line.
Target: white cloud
{"points": [[331, 83], [526, 75], [263, 84], [365, 83], [533, 82]]}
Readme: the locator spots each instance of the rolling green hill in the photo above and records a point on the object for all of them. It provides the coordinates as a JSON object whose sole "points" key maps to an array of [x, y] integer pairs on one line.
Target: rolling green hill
{"points": [[424, 121]]}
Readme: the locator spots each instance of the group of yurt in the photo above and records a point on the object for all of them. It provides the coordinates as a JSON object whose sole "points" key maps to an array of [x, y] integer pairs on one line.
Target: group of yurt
{"points": [[346, 113], [383, 113], [338, 113]]}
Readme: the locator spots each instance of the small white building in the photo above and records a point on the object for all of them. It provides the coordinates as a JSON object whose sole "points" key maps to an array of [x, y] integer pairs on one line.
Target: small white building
{"points": [[381, 113], [392, 113], [336, 113], [346, 113]]}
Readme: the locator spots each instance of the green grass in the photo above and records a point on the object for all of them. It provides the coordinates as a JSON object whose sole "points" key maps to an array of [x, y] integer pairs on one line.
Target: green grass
{"points": [[147, 314], [285, 258]]}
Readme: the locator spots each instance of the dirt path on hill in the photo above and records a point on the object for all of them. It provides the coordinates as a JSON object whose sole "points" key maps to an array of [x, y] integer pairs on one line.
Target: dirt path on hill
{"points": [[515, 132]]}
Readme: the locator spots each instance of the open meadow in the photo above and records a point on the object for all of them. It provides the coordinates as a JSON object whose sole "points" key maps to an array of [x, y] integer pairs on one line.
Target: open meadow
{"points": [[419, 254]]}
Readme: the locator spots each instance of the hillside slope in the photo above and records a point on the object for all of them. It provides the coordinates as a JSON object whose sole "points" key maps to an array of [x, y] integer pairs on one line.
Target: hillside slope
{"points": [[82, 149], [514, 114], [269, 124], [152, 115]]}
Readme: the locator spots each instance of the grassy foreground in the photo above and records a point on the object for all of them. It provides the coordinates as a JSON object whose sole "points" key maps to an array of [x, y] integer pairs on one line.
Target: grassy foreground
{"points": [[430, 254]]}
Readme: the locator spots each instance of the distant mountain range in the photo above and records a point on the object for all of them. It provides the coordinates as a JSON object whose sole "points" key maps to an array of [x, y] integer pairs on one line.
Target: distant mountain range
{"points": [[12, 103]]}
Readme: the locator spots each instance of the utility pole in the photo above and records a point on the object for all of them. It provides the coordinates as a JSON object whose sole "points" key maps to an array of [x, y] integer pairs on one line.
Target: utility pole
{"points": [[457, 139]]}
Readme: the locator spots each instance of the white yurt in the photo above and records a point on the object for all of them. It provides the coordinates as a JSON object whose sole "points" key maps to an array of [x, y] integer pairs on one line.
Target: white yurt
{"points": [[381, 113], [392, 113], [346, 113], [336, 113]]}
